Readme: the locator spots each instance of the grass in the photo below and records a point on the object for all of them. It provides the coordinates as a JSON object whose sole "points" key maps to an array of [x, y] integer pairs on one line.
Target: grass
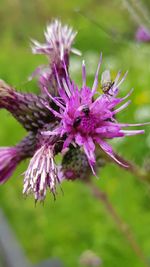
{"points": [[76, 222]]}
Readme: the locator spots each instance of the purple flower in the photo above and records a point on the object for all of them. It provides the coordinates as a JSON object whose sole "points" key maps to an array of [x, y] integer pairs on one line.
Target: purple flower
{"points": [[59, 40], [42, 173], [142, 34], [88, 121], [58, 43]]}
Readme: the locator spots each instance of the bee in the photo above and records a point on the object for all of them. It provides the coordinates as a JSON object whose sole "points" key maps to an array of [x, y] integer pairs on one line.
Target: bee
{"points": [[106, 82], [86, 111]]}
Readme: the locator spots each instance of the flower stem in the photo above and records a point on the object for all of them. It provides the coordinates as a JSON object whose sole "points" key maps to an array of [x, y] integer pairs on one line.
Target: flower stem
{"points": [[122, 226]]}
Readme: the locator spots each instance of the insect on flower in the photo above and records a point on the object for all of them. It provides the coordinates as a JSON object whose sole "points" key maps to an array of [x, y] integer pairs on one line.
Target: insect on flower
{"points": [[106, 82]]}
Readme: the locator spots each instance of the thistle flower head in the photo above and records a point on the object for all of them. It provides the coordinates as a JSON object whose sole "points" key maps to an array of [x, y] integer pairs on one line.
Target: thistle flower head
{"points": [[58, 45], [142, 34], [42, 173], [88, 121]]}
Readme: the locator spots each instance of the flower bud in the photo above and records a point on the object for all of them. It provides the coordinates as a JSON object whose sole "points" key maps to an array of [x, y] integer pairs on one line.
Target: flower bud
{"points": [[28, 109]]}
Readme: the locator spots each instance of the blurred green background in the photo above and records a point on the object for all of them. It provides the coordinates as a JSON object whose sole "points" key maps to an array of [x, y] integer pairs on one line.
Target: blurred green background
{"points": [[76, 222]]}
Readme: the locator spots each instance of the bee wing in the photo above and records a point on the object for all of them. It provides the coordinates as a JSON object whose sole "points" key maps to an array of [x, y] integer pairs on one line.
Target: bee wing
{"points": [[105, 77]]}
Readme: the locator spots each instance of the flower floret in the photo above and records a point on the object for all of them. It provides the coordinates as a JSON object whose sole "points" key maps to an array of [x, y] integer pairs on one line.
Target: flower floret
{"points": [[42, 173], [59, 39]]}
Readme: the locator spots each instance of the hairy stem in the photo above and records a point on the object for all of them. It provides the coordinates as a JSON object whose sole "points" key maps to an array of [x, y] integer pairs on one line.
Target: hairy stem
{"points": [[122, 226]]}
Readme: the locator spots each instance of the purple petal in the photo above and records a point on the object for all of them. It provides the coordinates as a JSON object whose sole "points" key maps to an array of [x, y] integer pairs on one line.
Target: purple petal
{"points": [[132, 132], [83, 74], [89, 148], [108, 149], [122, 107], [143, 34], [52, 110], [122, 80], [53, 98], [68, 141], [133, 124], [95, 84], [109, 131]]}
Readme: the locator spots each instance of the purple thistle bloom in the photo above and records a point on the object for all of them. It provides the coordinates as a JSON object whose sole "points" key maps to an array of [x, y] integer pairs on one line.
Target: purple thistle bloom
{"points": [[59, 40], [58, 44], [143, 34], [42, 173], [88, 122]]}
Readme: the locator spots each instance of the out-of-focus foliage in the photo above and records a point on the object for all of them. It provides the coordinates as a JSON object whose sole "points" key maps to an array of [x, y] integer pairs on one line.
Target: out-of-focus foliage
{"points": [[77, 222]]}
